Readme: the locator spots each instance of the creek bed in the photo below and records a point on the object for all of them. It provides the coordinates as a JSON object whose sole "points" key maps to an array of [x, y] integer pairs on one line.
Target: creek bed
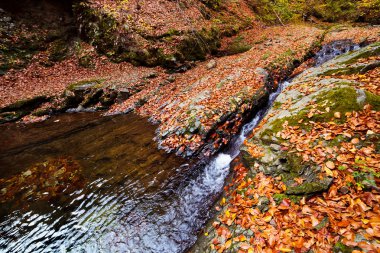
{"points": [[85, 183]]}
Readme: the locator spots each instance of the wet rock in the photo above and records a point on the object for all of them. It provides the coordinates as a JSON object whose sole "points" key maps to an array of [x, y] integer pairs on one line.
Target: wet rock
{"points": [[123, 94]]}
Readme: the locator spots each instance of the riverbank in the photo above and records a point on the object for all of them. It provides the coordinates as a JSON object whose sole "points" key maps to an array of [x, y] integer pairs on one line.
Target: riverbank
{"points": [[308, 175], [198, 108]]}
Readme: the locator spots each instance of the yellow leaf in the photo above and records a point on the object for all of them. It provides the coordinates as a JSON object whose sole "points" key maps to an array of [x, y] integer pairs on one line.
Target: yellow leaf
{"points": [[365, 221], [228, 244], [242, 238], [267, 218], [250, 250], [227, 213], [329, 172], [285, 249]]}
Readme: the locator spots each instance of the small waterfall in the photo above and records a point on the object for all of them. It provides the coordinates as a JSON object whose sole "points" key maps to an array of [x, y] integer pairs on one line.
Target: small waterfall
{"points": [[334, 49]]}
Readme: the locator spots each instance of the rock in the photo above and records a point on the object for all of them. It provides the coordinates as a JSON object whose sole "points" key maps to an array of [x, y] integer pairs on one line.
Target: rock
{"points": [[344, 190], [211, 64], [3, 191], [310, 187], [171, 78], [152, 75], [275, 147], [68, 93], [263, 73], [263, 204], [27, 173]]}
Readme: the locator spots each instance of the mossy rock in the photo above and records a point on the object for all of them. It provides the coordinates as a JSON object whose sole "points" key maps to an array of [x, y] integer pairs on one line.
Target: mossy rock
{"points": [[309, 187], [59, 50], [279, 197], [339, 247], [340, 99], [86, 84], [25, 104], [11, 116], [237, 46]]}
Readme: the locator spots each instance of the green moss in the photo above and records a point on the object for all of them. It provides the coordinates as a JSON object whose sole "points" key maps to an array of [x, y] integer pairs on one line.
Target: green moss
{"points": [[278, 198], [25, 103], [324, 222], [334, 10], [41, 112], [347, 70], [91, 83], [343, 99], [86, 61], [58, 50], [277, 105], [336, 141], [373, 100], [339, 247], [265, 56], [278, 11], [198, 44], [306, 188], [238, 46], [11, 116]]}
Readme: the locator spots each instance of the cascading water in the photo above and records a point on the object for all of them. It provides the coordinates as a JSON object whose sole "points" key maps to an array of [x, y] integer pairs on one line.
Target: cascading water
{"points": [[334, 49], [134, 198]]}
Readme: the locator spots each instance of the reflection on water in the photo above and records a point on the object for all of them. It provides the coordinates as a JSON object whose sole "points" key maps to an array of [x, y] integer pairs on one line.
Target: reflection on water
{"points": [[125, 182], [123, 195]]}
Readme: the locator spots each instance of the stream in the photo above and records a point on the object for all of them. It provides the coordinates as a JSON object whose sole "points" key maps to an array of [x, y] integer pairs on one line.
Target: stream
{"points": [[133, 198], [85, 183]]}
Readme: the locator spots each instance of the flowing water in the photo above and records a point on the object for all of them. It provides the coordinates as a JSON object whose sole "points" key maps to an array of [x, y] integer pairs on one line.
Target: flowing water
{"points": [[334, 49], [85, 183]]}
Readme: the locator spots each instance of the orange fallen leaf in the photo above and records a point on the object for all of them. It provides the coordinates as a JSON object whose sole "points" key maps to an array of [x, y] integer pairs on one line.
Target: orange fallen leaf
{"points": [[330, 165]]}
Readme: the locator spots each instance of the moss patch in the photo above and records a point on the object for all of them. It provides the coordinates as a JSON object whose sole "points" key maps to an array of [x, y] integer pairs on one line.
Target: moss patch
{"points": [[84, 84], [278, 198], [373, 100], [340, 99], [238, 45], [307, 188]]}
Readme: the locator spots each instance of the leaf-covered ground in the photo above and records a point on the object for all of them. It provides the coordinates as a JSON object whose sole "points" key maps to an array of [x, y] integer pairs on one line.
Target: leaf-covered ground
{"points": [[321, 129], [200, 108]]}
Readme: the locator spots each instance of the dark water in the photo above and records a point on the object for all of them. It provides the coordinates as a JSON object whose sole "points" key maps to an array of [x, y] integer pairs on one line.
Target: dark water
{"points": [[85, 183], [120, 179]]}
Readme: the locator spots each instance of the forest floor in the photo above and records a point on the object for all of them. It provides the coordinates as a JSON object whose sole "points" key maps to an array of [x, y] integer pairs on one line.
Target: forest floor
{"points": [[308, 176]]}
